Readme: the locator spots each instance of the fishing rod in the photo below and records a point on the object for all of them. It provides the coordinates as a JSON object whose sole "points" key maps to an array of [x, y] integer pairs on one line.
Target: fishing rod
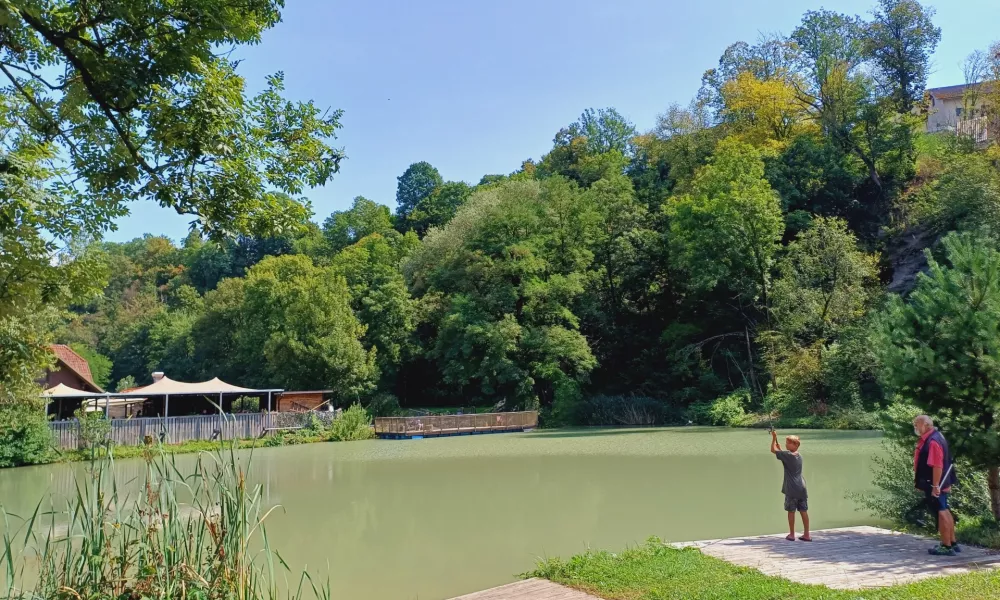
{"points": [[920, 508]]}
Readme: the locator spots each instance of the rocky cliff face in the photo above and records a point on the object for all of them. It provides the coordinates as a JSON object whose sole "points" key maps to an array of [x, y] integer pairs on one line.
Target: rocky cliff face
{"points": [[906, 255]]}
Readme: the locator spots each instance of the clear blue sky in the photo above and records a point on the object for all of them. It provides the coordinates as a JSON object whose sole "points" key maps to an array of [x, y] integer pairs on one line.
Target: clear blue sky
{"points": [[476, 87]]}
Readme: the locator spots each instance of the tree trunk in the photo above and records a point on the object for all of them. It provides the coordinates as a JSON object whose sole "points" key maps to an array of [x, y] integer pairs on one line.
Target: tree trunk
{"points": [[993, 480]]}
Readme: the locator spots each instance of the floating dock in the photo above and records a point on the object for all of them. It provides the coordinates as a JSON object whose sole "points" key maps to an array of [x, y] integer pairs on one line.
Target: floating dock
{"points": [[414, 428]]}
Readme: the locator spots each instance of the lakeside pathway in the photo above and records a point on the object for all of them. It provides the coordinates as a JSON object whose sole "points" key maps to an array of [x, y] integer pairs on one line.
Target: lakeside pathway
{"points": [[845, 558]]}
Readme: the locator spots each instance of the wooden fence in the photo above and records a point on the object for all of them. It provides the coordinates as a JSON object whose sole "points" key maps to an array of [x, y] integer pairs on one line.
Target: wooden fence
{"points": [[174, 430], [977, 128], [436, 425]]}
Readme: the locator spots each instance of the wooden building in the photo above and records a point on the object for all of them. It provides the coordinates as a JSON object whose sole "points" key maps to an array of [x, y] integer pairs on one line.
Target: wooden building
{"points": [[71, 370], [303, 401]]}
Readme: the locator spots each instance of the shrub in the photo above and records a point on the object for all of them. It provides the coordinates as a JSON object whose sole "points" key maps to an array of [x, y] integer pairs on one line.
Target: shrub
{"points": [[246, 404], [619, 410], [898, 502], [383, 404], [274, 440], [852, 418], [728, 410], [314, 424], [699, 413], [125, 383], [95, 428], [353, 424], [25, 438]]}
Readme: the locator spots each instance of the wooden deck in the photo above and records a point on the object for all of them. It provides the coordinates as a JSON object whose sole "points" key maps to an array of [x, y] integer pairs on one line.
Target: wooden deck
{"points": [[448, 425], [529, 589], [847, 558]]}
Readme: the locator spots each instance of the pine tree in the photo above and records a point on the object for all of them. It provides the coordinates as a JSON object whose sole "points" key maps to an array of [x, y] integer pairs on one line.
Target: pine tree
{"points": [[940, 350]]}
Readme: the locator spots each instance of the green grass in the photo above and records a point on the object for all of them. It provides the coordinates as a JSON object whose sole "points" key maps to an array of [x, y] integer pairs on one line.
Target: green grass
{"points": [[979, 532], [658, 572]]}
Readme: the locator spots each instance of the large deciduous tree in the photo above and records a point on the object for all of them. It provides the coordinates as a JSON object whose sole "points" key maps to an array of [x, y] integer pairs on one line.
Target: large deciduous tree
{"points": [[498, 282], [900, 39], [822, 297], [762, 112], [940, 350], [439, 207], [107, 102], [417, 182], [290, 324], [844, 98], [727, 229], [605, 129], [379, 296], [141, 101], [365, 217]]}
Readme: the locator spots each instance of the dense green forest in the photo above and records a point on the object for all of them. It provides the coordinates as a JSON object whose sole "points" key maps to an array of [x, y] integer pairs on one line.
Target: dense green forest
{"points": [[735, 259]]}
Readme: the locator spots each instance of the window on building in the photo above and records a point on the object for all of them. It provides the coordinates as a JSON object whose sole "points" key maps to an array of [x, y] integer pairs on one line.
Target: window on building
{"points": [[958, 111]]}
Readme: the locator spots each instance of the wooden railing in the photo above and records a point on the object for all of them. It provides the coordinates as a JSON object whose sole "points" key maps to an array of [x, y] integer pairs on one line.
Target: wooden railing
{"points": [[174, 430], [454, 424]]}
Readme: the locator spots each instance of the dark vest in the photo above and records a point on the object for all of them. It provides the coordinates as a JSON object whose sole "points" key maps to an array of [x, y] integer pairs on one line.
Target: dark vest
{"points": [[924, 479]]}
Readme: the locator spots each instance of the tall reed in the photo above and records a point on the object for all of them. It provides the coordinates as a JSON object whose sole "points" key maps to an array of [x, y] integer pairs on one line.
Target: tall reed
{"points": [[198, 536]]}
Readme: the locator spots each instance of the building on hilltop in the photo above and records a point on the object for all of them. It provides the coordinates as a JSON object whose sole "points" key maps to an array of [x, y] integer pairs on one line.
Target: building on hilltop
{"points": [[71, 370], [961, 109]]}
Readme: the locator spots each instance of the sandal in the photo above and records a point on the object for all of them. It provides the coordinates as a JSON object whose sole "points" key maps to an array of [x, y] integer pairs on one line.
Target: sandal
{"points": [[790, 537], [805, 539]]}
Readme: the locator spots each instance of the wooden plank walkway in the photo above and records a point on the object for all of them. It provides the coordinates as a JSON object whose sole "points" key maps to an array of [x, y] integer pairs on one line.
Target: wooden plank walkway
{"points": [[529, 589], [846, 558]]}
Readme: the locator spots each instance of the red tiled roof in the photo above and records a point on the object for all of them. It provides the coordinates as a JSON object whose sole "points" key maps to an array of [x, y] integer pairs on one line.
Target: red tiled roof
{"points": [[74, 362]]}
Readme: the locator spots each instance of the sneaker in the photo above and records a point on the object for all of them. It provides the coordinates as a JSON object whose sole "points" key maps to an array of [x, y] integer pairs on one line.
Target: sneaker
{"points": [[941, 551], [956, 547]]}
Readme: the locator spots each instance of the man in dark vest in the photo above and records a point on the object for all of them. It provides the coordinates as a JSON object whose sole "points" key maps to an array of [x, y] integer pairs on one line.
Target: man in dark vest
{"points": [[934, 476]]}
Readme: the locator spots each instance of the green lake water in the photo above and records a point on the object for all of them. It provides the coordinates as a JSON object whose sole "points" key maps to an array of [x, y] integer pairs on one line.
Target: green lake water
{"points": [[435, 518]]}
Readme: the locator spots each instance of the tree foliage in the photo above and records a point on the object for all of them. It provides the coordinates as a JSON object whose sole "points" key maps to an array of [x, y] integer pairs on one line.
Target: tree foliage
{"points": [[416, 183], [900, 40], [728, 228], [343, 228], [638, 276], [142, 105], [941, 347]]}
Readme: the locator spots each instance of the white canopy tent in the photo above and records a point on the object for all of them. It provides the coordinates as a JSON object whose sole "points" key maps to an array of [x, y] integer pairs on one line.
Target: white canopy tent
{"points": [[166, 387], [162, 386], [64, 391]]}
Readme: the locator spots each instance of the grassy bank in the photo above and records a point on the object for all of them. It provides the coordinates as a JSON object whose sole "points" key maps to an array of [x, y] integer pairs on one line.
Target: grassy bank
{"points": [[655, 572]]}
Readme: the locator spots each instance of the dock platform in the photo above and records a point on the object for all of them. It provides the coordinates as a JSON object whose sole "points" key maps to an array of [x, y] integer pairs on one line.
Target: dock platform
{"points": [[403, 428], [849, 558]]}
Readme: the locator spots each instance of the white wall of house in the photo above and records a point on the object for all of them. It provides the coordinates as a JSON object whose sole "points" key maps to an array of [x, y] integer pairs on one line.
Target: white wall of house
{"points": [[944, 113]]}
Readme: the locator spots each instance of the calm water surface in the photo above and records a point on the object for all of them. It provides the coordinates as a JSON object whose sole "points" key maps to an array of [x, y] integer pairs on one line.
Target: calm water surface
{"points": [[434, 518]]}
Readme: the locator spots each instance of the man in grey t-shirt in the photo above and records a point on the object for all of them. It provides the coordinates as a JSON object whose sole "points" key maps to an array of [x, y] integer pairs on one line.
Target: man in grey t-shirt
{"points": [[793, 486]]}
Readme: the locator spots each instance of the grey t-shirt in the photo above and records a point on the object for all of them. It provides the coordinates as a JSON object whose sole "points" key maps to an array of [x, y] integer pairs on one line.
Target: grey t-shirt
{"points": [[793, 485]]}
